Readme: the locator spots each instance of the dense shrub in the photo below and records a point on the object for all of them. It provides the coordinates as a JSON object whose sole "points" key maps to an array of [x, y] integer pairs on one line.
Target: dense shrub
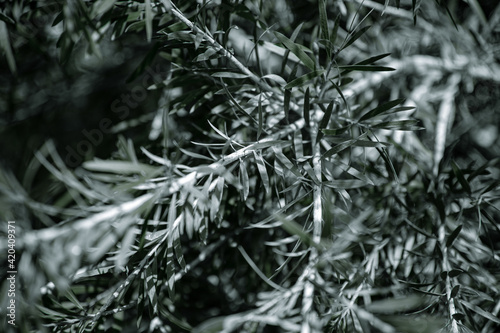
{"points": [[251, 166]]}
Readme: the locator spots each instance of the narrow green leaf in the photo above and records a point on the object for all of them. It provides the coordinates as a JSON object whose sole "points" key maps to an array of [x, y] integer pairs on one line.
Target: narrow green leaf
{"points": [[326, 119], [311, 173], [336, 131], [101, 7], [118, 167], [453, 236], [181, 323], [368, 61], [298, 145], [338, 148], [230, 75], [418, 229], [211, 53], [323, 21], [345, 81], [195, 155], [448, 152], [455, 272], [367, 68], [460, 176], [49, 313], [178, 248], [328, 114], [261, 116], [371, 60], [286, 162], [286, 103], [400, 125], [293, 73], [303, 79], [5, 45], [170, 273], [354, 37], [333, 36], [296, 49], [491, 187], [203, 231], [150, 282], [72, 298], [483, 168], [261, 166], [124, 251], [341, 94], [353, 142], [345, 183], [371, 144], [296, 32], [381, 109], [480, 311], [190, 224], [6, 19], [307, 117], [294, 228], [454, 291], [476, 7], [276, 78], [267, 144], [244, 181]]}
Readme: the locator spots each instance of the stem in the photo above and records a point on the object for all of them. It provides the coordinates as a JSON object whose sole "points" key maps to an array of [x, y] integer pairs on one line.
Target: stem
{"points": [[307, 303], [446, 267], [177, 13]]}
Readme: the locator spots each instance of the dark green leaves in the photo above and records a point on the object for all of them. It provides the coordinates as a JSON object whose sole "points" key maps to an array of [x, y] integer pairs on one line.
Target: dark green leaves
{"points": [[480, 311], [336, 131], [453, 236], [296, 49], [354, 37], [400, 125], [303, 79], [381, 109], [121, 167], [307, 117], [296, 229], [352, 143], [230, 75], [366, 68], [460, 176], [326, 119], [323, 21], [286, 102], [261, 166], [390, 108]]}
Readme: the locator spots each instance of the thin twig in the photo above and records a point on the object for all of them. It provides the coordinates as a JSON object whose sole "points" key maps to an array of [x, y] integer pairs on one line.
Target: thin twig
{"points": [[446, 267], [308, 294]]}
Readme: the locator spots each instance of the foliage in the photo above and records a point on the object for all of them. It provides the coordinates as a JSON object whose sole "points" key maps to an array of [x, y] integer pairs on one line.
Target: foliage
{"points": [[279, 166]]}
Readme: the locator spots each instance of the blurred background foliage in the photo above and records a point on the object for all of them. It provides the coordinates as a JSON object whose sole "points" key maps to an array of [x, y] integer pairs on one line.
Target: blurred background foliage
{"points": [[410, 236]]}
